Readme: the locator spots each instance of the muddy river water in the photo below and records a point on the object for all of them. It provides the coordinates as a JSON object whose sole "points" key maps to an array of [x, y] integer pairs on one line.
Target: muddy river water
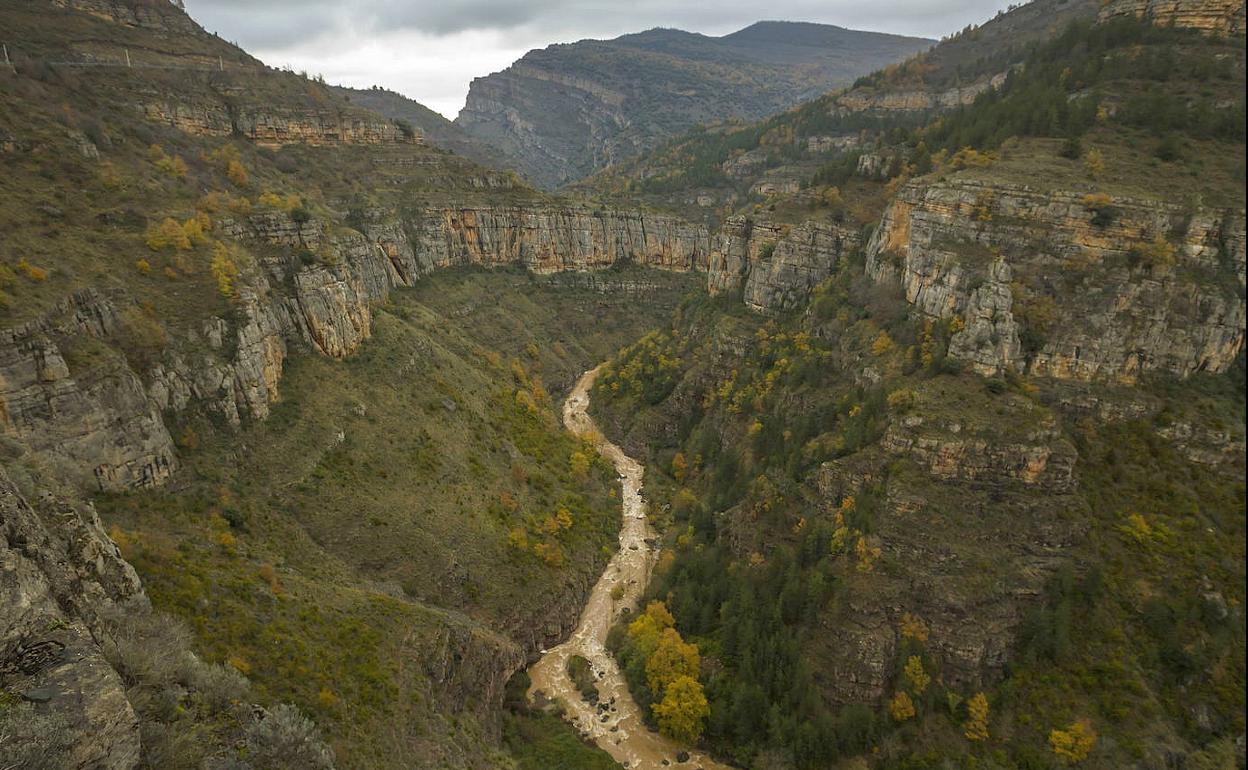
{"points": [[618, 728]]}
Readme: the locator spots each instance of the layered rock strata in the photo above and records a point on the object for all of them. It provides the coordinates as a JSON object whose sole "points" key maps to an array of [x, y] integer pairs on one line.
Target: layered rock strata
{"points": [[1101, 288]]}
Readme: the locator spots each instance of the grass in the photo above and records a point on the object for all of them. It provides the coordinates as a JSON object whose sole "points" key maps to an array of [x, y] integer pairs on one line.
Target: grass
{"points": [[372, 515]]}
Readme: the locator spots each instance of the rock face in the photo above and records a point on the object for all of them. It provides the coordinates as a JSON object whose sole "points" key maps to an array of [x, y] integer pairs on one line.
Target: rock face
{"points": [[97, 425], [554, 240], [1217, 17], [104, 425], [566, 111], [989, 489], [58, 571], [1071, 274], [161, 15], [1040, 458], [269, 126], [775, 266], [915, 99]]}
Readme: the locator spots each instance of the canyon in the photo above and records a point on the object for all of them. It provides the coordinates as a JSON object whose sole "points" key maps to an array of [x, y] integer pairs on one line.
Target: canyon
{"points": [[334, 414]]}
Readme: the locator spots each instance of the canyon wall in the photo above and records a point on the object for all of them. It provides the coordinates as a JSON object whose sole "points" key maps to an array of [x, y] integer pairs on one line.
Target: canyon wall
{"points": [[1068, 285]]}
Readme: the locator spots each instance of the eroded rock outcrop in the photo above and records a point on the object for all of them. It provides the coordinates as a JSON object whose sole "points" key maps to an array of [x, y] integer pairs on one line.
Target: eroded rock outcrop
{"points": [[58, 571], [895, 100], [160, 16], [1217, 17], [775, 266], [270, 126], [95, 423], [1101, 288]]}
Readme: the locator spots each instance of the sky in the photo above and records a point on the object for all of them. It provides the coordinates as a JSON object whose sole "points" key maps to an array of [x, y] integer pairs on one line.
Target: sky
{"points": [[430, 50]]}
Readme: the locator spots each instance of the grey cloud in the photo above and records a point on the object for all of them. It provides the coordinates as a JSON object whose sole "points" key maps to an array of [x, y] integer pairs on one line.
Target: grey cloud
{"points": [[279, 23], [418, 48]]}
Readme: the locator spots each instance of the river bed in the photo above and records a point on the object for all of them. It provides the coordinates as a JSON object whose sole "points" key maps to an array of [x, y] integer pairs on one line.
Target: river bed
{"points": [[618, 728]]}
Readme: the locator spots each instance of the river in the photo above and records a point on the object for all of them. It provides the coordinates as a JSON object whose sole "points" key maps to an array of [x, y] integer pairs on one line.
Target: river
{"points": [[618, 729]]}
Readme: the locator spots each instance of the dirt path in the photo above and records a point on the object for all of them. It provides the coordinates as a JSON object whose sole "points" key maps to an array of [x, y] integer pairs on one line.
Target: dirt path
{"points": [[617, 728]]}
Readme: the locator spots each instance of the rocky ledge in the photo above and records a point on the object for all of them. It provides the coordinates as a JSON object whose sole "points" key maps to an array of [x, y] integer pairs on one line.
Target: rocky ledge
{"points": [[1068, 285]]}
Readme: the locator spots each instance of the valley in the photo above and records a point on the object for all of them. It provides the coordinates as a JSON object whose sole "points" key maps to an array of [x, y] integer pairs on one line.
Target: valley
{"points": [[324, 420]]}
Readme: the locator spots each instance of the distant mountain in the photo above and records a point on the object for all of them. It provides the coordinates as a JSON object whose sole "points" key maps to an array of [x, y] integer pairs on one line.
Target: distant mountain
{"points": [[700, 171], [436, 129], [568, 110]]}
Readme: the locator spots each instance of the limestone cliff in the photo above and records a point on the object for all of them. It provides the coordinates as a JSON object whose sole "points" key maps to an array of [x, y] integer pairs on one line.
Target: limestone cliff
{"points": [[1217, 17], [775, 266], [271, 126], [892, 100], [58, 573], [1067, 285]]}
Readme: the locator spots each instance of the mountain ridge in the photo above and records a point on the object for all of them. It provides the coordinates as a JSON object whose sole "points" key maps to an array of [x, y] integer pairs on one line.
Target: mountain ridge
{"points": [[563, 111]]}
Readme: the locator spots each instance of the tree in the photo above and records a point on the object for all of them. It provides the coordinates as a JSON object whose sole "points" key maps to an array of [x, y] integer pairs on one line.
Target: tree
{"points": [[168, 234], [237, 173], [976, 726], [224, 270], [679, 467], [1075, 743], [683, 709], [1072, 148], [658, 612], [916, 676], [672, 659], [901, 707], [1094, 163]]}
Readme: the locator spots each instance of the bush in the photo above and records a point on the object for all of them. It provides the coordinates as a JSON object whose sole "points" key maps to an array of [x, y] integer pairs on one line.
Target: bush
{"points": [[1170, 149], [30, 740], [284, 739], [1072, 148]]}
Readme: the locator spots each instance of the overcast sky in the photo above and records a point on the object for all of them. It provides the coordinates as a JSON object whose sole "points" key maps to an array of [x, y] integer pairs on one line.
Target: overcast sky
{"points": [[430, 50]]}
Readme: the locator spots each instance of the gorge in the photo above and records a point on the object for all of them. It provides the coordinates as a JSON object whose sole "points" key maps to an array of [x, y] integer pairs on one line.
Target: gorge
{"points": [[936, 381]]}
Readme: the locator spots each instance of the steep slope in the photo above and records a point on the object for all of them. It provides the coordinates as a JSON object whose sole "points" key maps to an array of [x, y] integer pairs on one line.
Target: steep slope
{"points": [[567, 110], [960, 421], [192, 245], [434, 128], [715, 170], [928, 513]]}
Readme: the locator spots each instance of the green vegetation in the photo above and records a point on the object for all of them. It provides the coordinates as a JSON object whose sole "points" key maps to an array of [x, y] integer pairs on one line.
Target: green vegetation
{"points": [[423, 487], [541, 740], [764, 558], [1127, 94], [663, 672]]}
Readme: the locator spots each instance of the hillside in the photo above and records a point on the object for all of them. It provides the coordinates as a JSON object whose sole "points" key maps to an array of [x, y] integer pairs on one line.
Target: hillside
{"points": [[567, 110], [434, 128], [942, 412], [201, 280], [716, 169], [925, 501]]}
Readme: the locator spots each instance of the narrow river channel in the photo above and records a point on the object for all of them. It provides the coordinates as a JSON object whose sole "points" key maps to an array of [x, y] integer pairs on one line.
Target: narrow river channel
{"points": [[616, 725]]}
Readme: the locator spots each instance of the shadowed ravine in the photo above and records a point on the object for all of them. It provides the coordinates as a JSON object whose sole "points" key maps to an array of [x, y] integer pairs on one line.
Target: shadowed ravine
{"points": [[622, 734]]}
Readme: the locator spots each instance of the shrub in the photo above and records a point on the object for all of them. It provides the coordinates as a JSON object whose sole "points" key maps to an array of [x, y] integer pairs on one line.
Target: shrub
{"points": [[32, 272], [1072, 148], [169, 234], [1157, 254], [1169, 149], [30, 740], [1103, 211], [285, 739]]}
